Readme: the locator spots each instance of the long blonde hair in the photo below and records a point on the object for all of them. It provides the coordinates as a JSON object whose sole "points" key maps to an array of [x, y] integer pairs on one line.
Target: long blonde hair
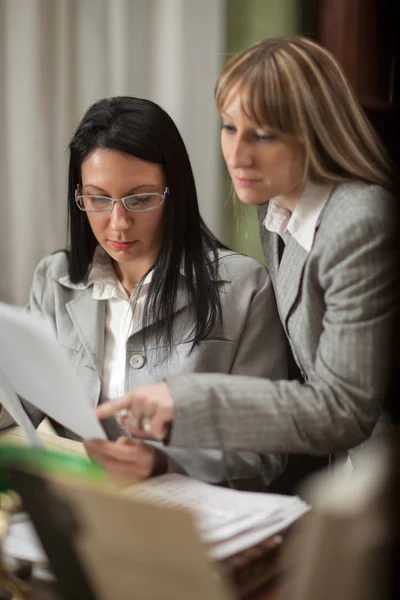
{"points": [[293, 85]]}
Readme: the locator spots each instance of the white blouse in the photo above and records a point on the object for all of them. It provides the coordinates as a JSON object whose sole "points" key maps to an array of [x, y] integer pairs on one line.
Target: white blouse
{"points": [[302, 222], [122, 316]]}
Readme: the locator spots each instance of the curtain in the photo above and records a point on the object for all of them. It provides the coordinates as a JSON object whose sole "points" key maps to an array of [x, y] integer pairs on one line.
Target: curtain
{"points": [[59, 56]]}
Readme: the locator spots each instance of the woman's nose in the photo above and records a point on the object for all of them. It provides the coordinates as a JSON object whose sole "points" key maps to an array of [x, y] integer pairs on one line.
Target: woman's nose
{"points": [[120, 218], [241, 155]]}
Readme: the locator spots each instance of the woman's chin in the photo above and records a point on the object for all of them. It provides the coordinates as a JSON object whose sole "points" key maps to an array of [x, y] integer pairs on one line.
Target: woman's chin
{"points": [[249, 197]]}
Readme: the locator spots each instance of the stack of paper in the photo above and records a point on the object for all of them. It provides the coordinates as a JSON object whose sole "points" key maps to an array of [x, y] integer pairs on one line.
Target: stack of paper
{"points": [[117, 547], [229, 521]]}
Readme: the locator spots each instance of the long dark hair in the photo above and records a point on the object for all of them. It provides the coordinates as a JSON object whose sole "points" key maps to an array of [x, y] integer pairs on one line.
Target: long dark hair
{"points": [[141, 128]]}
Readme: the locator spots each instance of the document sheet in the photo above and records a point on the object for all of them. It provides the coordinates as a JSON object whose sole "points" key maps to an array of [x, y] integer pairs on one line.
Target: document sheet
{"points": [[35, 367]]}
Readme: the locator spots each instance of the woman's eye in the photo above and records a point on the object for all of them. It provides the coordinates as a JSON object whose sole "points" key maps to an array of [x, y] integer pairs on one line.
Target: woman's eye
{"points": [[142, 199], [265, 137], [228, 128], [100, 200]]}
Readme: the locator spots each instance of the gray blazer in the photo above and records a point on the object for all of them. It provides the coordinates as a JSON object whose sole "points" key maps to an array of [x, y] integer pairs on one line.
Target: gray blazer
{"points": [[338, 305], [251, 341]]}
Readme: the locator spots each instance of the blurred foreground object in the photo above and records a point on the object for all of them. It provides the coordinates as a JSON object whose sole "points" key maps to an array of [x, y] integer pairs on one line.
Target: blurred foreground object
{"points": [[166, 538], [349, 545]]}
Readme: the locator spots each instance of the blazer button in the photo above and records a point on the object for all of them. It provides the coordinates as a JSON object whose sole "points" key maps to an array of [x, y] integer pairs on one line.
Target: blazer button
{"points": [[137, 361]]}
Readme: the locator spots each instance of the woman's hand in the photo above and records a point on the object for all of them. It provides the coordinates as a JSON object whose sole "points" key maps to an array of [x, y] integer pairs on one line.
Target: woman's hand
{"points": [[150, 410], [127, 456]]}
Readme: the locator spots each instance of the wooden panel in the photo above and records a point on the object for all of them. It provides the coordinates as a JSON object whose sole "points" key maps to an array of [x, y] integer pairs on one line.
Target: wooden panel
{"points": [[360, 34]]}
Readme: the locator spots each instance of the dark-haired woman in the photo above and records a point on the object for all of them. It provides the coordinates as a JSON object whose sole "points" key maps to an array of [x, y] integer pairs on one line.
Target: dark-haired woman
{"points": [[145, 290]]}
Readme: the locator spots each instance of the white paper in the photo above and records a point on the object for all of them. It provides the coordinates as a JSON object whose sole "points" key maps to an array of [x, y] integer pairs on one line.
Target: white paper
{"points": [[38, 370], [227, 520], [22, 542], [13, 405], [257, 534]]}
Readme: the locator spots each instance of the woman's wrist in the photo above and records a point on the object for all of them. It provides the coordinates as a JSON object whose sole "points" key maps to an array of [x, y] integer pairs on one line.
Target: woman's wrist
{"points": [[160, 465]]}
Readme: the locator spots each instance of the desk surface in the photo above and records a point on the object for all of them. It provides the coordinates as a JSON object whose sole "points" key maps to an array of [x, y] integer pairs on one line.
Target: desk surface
{"points": [[46, 592]]}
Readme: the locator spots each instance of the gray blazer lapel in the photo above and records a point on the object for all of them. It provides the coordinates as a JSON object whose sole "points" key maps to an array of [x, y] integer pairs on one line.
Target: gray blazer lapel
{"points": [[287, 276], [290, 277], [269, 241], [271, 253], [88, 318]]}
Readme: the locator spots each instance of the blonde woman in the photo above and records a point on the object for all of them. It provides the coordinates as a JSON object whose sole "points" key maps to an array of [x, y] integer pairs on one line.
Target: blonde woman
{"points": [[297, 144]]}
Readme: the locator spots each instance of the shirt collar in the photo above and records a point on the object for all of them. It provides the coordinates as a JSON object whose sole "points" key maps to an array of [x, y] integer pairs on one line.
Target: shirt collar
{"points": [[303, 222], [106, 284], [103, 278]]}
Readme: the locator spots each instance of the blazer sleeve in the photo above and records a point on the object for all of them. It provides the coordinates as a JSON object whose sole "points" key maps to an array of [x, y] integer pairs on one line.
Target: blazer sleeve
{"points": [[339, 405], [261, 352]]}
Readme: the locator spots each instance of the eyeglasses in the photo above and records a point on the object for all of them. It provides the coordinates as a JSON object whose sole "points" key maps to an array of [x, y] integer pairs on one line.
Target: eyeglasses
{"points": [[134, 203]]}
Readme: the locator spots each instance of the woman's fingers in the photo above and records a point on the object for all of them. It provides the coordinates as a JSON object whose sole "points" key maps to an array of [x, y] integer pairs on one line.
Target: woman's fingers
{"points": [[150, 410], [108, 409], [123, 456], [120, 449]]}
